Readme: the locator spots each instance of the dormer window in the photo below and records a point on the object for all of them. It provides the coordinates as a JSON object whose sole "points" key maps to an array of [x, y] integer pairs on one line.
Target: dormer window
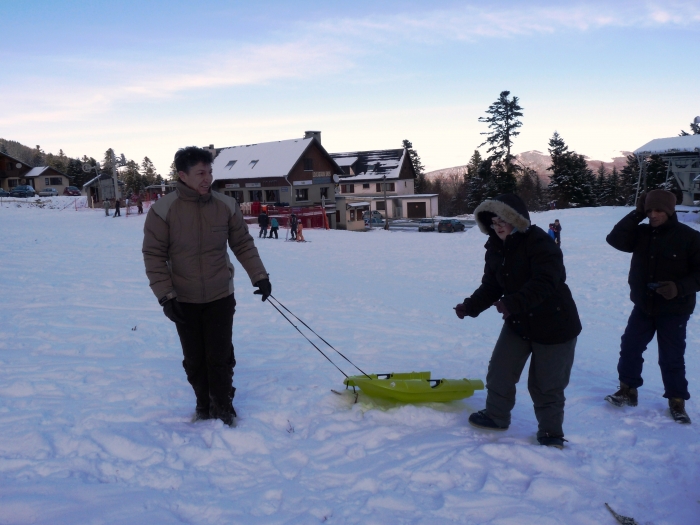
{"points": [[253, 163], [231, 163]]}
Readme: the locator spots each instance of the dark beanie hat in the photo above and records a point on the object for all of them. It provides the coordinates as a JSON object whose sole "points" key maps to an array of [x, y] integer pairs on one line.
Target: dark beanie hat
{"points": [[660, 200]]}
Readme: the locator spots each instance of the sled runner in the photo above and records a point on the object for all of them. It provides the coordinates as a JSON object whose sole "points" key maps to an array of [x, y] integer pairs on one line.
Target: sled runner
{"points": [[414, 387], [411, 387]]}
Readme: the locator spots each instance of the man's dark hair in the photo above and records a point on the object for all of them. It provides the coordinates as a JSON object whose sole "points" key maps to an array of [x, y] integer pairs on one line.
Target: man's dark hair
{"points": [[186, 158]]}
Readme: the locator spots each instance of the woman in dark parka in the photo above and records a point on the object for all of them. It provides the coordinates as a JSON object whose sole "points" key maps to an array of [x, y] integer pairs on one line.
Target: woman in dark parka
{"points": [[524, 278]]}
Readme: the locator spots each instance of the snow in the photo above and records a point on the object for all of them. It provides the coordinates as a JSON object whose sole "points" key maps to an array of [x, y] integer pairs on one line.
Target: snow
{"points": [[95, 408], [274, 159], [687, 143]]}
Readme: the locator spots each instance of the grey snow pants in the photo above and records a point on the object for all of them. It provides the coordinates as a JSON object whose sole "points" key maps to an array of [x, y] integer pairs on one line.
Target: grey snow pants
{"points": [[550, 368]]}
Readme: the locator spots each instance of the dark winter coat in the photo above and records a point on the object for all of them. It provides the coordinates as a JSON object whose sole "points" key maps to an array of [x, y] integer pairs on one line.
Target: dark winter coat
{"points": [[263, 220], [670, 252], [526, 272]]}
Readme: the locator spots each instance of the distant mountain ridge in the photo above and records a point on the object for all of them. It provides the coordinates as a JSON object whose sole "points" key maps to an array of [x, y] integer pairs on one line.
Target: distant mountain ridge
{"points": [[539, 162]]}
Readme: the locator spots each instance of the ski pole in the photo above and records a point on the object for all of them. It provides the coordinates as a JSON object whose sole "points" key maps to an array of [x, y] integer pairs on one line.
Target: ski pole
{"points": [[321, 338]]}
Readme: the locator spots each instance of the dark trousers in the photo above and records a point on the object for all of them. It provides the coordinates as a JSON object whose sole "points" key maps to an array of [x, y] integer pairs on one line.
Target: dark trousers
{"points": [[273, 230], [116, 212], [263, 232], [550, 368], [208, 353], [294, 232], [670, 336]]}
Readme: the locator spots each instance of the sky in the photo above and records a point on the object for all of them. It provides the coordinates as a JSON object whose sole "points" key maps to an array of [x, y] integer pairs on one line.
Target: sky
{"points": [[147, 78]]}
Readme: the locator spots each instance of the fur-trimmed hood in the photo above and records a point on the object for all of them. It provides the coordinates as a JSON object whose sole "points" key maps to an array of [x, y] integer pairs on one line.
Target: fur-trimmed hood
{"points": [[508, 207]]}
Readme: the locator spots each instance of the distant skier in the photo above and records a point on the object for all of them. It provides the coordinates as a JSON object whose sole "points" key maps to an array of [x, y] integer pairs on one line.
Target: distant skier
{"points": [[139, 205], [293, 224], [551, 232], [274, 227], [186, 234], [300, 232], [263, 221], [664, 278], [105, 205], [557, 231], [524, 278], [117, 204]]}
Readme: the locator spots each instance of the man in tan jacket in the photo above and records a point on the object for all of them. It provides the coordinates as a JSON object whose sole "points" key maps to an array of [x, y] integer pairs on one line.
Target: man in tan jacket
{"points": [[186, 234]]}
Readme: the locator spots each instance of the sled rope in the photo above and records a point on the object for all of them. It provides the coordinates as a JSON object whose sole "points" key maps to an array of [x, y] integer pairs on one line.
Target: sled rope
{"points": [[313, 332], [309, 340]]}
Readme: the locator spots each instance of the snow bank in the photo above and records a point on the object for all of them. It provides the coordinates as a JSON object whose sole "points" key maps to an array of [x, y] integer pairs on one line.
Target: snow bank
{"points": [[95, 408]]}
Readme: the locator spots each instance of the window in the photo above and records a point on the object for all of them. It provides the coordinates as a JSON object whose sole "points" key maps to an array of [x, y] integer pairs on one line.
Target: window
{"points": [[352, 215], [380, 205], [46, 182], [253, 163], [347, 188], [324, 192], [11, 183], [365, 186], [231, 163], [238, 195], [54, 181], [255, 195], [308, 164], [10, 166], [271, 196], [390, 186], [302, 194]]}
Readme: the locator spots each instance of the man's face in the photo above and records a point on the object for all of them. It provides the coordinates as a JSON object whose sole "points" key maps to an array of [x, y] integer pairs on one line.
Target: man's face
{"points": [[657, 218], [198, 177]]}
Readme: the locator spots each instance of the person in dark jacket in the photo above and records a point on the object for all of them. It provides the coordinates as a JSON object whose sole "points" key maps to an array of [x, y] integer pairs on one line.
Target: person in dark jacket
{"points": [[263, 221], [117, 205], [664, 278], [293, 223], [525, 279], [557, 231]]}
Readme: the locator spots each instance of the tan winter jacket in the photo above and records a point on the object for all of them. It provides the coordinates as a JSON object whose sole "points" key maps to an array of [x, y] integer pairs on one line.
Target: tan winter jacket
{"points": [[184, 246]]}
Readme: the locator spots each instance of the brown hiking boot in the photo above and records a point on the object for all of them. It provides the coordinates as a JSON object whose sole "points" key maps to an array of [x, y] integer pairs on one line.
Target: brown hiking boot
{"points": [[678, 413], [626, 396]]}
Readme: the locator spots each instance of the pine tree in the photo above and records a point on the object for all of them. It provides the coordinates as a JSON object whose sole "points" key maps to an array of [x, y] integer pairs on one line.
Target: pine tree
{"points": [[503, 121], [600, 187], [613, 190], [132, 179], [571, 180], [38, 157], [694, 129], [629, 177], [420, 182], [656, 172], [148, 172]]}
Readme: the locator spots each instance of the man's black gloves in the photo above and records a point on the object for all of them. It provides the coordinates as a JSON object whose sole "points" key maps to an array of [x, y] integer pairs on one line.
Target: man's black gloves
{"points": [[264, 288], [641, 200], [173, 311]]}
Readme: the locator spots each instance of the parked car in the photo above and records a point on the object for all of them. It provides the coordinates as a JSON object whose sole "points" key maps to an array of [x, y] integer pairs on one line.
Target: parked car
{"points": [[426, 225], [22, 191], [48, 192], [450, 225], [72, 191], [375, 215], [375, 222], [4, 193]]}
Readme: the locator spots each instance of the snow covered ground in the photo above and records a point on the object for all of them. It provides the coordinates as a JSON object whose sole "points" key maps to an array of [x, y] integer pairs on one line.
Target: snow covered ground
{"points": [[95, 408]]}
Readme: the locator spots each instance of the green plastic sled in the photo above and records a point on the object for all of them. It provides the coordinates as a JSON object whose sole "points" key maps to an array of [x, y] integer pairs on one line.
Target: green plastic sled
{"points": [[414, 387]]}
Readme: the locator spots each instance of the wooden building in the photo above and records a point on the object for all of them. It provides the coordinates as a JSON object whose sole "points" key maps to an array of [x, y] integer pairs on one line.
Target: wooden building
{"points": [[297, 172]]}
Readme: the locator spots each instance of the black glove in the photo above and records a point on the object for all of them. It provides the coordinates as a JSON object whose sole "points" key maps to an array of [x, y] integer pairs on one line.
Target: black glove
{"points": [[501, 309], [640, 203], [264, 288], [461, 310], [173, 311], [668, 290]]}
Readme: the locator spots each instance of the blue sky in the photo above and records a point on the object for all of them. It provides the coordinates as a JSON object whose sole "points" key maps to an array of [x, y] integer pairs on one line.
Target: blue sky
{"points": [[148, 77]]}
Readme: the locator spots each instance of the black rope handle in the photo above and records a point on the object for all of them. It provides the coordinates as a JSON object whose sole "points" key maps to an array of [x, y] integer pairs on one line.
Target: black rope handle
{"points": [[313, 332], [309, 340]]}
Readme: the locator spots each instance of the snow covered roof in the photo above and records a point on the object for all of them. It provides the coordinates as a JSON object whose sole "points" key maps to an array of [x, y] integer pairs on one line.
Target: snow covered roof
{"points": [[371, 165], [687, 143], [35, 172], [102, 176], [256, 161]]}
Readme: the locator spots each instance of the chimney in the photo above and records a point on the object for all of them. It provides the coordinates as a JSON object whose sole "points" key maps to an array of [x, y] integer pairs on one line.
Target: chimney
{"points": [[313, 134], [212, 150]]}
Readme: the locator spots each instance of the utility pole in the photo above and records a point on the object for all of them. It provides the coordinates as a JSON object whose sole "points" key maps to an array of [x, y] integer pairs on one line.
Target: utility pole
{"points": [[386, 208]]}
